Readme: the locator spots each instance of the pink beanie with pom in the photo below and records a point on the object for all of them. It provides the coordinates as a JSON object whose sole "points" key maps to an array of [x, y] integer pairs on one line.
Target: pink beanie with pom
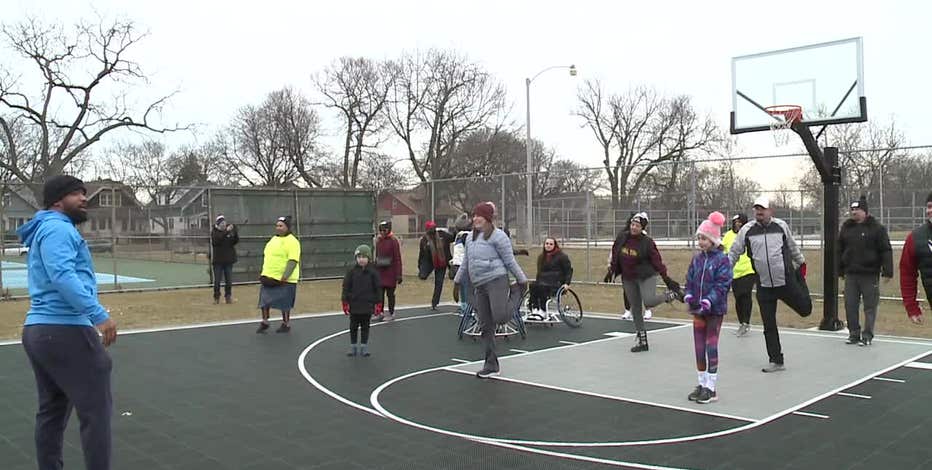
{"points": [[711, 228]]}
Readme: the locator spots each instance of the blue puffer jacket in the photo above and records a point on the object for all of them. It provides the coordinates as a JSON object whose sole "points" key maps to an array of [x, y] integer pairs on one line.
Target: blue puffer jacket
{"points": [[709, 277], [62, 283], [490, 259]]}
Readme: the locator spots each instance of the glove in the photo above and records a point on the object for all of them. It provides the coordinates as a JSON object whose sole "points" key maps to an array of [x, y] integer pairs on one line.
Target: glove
{"points": [[802, 270], [692, 302], [345, 308], [705, 306]]}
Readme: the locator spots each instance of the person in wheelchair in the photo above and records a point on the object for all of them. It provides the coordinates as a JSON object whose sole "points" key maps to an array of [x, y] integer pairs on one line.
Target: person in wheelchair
{"points": [[554, 270]]}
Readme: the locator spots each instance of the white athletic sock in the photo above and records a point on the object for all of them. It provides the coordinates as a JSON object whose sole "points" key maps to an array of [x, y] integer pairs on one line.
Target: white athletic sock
{"points": [[711, 381], [703, 378]]}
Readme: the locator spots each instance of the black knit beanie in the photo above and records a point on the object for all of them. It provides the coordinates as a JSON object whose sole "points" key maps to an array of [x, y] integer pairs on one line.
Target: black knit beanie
{"points": [[57, 187]]}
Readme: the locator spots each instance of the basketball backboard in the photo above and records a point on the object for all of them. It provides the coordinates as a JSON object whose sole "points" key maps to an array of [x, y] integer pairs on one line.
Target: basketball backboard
{"points": [[826, 80]]}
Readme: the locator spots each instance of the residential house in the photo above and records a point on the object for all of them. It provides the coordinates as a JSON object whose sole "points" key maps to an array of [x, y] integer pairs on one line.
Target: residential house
{"points": [[180, 211], [409, 210], [112, 210]]}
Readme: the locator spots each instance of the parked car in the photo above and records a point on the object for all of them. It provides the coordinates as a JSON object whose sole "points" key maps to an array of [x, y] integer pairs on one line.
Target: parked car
{"points": [[15, 249]]}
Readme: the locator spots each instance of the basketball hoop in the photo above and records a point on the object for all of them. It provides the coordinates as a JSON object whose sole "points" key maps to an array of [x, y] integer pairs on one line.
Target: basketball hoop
{"points": [[784, 115]]}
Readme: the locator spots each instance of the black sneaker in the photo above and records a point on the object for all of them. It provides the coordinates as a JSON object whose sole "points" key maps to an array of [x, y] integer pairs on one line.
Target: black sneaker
{"points": [[695, 394], [486, 373], [262, 327], [706, 396], [853, 340], [283, 328], [865, 341]]}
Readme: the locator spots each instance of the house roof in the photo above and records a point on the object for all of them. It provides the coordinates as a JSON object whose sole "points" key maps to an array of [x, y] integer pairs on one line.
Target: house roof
{"points": [[95, 187]]}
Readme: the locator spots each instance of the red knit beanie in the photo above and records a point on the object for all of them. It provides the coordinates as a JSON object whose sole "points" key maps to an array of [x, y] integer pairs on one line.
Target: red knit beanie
{"points": [[486, 210]]}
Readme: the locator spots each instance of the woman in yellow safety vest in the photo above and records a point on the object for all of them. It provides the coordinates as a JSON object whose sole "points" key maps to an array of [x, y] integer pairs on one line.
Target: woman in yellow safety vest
{"points": [[281, 268], [744, 277]]}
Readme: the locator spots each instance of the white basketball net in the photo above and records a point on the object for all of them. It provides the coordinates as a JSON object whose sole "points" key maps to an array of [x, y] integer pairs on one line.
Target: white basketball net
{"points": [[781, 126]]}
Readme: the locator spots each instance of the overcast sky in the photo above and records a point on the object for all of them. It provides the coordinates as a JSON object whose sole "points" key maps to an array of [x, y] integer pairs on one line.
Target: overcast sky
{"points": [[223, 55]]}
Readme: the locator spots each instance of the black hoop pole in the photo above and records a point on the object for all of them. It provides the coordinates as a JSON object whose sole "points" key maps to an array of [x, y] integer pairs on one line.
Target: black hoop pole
{"points": [[826, 163]]}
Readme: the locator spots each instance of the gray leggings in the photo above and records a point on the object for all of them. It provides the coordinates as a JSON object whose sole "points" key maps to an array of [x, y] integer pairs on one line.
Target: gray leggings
{"points": [[490, 297], [642, 293]]}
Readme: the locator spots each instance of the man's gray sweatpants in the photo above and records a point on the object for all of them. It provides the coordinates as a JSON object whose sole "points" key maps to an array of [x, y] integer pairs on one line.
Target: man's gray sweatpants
{"points": [[642, 293], [858, 286], [490, 297], [72, 371]]}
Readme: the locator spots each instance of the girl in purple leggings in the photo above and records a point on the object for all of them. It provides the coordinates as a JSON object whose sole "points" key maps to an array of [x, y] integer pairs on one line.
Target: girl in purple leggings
{"points": [[707, 283]]}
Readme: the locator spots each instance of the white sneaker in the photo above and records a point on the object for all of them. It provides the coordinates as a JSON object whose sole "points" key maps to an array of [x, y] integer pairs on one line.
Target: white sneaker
{"points": [[648, 314], [626, 315]]}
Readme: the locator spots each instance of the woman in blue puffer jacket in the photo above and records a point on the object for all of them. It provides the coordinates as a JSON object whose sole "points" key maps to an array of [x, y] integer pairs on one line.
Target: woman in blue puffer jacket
{"points": [[489, 258]]}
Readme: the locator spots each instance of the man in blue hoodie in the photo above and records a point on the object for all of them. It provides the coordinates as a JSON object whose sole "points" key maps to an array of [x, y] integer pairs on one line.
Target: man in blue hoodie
{"points": [[69, 359]]}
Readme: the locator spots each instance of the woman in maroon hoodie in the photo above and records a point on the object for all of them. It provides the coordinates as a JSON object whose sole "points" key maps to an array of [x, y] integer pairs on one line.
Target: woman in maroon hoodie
{"points": [[636, 257], [388, 263]]}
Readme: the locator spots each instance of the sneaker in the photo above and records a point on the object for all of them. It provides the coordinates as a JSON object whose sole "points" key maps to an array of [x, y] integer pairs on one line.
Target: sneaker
{"points": [[228, 300], [353, 351], [853, 340], [486, 373], [262, 327], [706, 396], [648, 314], [388, 317], [627, 315], [865, 341], [364, 350], [216, 300], [743, 330], [773, 367], [283, 328], [695, 394]]}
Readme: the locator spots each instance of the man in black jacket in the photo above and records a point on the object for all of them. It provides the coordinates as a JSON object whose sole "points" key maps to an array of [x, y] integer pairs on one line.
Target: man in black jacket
{"points": [[223, 238], [865, 254]]}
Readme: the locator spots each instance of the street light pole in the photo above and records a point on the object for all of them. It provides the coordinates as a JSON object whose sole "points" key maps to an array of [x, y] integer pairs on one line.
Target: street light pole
{"points": [[529, 180], [527, 145]]}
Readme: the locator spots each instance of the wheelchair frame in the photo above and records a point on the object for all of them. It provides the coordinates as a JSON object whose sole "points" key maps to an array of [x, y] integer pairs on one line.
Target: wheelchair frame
{"points": [[569, 309]]}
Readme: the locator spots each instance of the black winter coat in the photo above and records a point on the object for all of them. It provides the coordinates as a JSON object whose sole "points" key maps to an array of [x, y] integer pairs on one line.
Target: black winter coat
{"points": [[362, 290], [555, 272], [865, 248], [224, 245]]}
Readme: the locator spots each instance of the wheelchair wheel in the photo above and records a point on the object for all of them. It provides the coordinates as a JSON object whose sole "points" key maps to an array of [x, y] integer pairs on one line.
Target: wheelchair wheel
{"points": [[467, 321], [570, 308]]}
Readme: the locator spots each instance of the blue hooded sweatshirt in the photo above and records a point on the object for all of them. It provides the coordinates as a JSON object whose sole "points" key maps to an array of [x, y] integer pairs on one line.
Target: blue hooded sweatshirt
{"points": [[62, 284]]}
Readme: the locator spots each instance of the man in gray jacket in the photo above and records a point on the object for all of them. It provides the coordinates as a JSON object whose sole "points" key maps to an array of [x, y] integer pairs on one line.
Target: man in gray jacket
{"points": [[781, 270]]}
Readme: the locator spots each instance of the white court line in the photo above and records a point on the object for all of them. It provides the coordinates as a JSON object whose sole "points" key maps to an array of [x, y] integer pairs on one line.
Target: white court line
{"points": [[226, 323], [572, 343], [885, 379], [792, 331], [530, 450], [608, 397], [374, 400], [327, 391], [519, 351], [811, 415], [461, 361], [920, 365], [854, 395]]}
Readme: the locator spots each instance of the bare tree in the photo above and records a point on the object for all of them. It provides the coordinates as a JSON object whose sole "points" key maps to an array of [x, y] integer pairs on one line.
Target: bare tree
{"points": [[380, 173], [299, 127], [273, 144], [867, 152], [75, 67], [357, 88], [438, 98], [639, 131]]}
